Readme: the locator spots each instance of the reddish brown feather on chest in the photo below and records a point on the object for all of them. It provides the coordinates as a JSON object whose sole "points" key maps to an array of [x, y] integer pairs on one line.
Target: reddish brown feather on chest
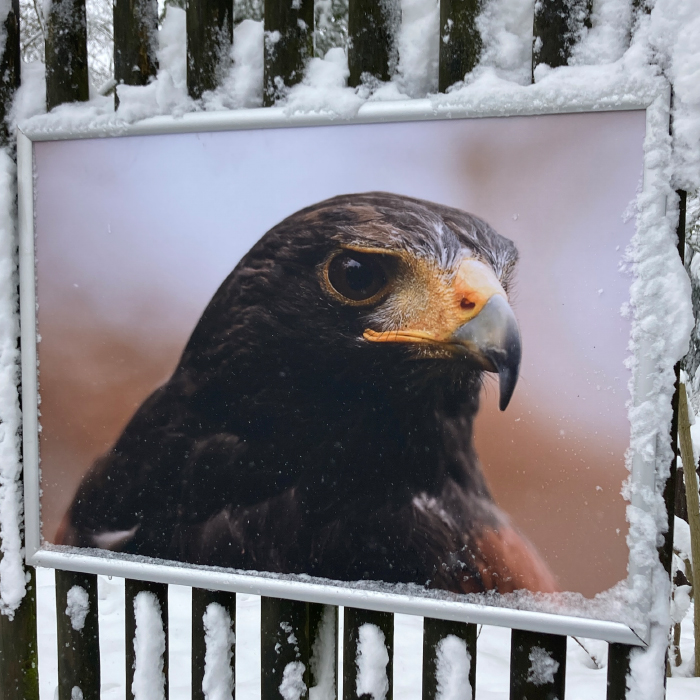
{"points": [[507, 562]]}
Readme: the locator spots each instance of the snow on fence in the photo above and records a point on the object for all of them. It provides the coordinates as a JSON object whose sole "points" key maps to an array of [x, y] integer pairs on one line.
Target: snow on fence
{"points": [[299, 641]]}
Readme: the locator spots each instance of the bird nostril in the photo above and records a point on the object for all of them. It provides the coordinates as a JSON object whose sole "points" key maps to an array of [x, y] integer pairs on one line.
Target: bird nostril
{"points": [[466, 304]]}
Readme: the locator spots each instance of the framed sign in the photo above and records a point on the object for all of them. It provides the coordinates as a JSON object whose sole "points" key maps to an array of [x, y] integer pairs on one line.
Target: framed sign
{"points": [[378, 363]]}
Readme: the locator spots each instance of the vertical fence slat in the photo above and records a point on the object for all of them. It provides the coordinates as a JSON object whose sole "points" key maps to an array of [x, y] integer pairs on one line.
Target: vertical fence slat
{"points": [[460, 40], [557, 27], [323, 642], [284, 644], [209, 39], [10, 62], [537, 666], [372, 35], [19, 669], [131, 590], [354, 618], [201, 599], [434, 631], [618, 668], [135, 41], [78, 649], [289, 44], [19, 664], [66, 53]]}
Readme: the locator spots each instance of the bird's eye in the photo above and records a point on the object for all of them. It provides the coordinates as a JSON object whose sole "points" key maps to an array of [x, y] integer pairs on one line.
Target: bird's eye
{"points": [[359, 277]]}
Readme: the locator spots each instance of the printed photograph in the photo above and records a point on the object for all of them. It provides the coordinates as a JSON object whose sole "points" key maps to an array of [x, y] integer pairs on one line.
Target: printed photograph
{"points": [[380, 353]]}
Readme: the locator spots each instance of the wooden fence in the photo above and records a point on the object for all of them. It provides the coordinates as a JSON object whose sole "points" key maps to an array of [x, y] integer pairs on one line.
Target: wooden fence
{"points": [[371, 54]]}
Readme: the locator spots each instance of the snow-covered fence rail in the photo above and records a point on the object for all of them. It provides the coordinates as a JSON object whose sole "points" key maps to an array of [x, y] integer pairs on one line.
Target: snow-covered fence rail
{"points": [[299, 640]]}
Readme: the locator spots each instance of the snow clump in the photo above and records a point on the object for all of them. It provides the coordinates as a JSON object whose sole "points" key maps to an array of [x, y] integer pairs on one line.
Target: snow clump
{"points": [[419, 42], [149, 648], [542, 667], [452, 669], [293, 686], [372, 660], [78, 607], [219, 638]]}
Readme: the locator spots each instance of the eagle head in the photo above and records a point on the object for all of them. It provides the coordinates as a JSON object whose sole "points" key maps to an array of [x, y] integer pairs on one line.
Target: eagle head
{"points": [[387, 281]]}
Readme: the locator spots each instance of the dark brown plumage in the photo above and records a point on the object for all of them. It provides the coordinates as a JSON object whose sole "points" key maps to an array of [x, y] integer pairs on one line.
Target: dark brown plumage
{"points": [[320, 419]]}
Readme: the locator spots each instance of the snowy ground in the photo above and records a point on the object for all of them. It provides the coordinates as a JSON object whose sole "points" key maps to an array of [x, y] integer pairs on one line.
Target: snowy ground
{"points": [[583, 680]]}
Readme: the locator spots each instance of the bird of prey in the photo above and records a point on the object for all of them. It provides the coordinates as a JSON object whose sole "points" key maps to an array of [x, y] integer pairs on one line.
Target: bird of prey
{"points": [[320, 419]]}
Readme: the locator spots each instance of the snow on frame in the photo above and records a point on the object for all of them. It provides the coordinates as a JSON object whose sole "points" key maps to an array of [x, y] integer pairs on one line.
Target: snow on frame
{"points": [[12, 575], [606, 73], [609, 606]]}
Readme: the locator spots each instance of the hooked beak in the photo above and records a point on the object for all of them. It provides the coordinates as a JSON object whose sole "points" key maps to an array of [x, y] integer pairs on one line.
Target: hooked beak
{"points": [[471, 316], [493, 338]]}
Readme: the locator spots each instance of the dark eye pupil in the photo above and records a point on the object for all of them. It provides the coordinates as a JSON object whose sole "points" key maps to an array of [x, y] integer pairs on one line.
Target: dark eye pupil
{"points": [[359, 277], [356, 276]]}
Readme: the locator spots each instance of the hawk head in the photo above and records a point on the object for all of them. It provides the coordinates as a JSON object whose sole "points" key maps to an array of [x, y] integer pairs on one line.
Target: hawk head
{"points": [[376, 280]]}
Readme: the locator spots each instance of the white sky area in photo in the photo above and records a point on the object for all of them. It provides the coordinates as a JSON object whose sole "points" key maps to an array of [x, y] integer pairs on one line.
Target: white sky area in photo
{"points": [[149, 227]]}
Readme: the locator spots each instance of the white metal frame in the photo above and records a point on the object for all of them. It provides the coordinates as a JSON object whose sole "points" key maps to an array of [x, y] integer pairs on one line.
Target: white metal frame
{"points": [[434, 604]]}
